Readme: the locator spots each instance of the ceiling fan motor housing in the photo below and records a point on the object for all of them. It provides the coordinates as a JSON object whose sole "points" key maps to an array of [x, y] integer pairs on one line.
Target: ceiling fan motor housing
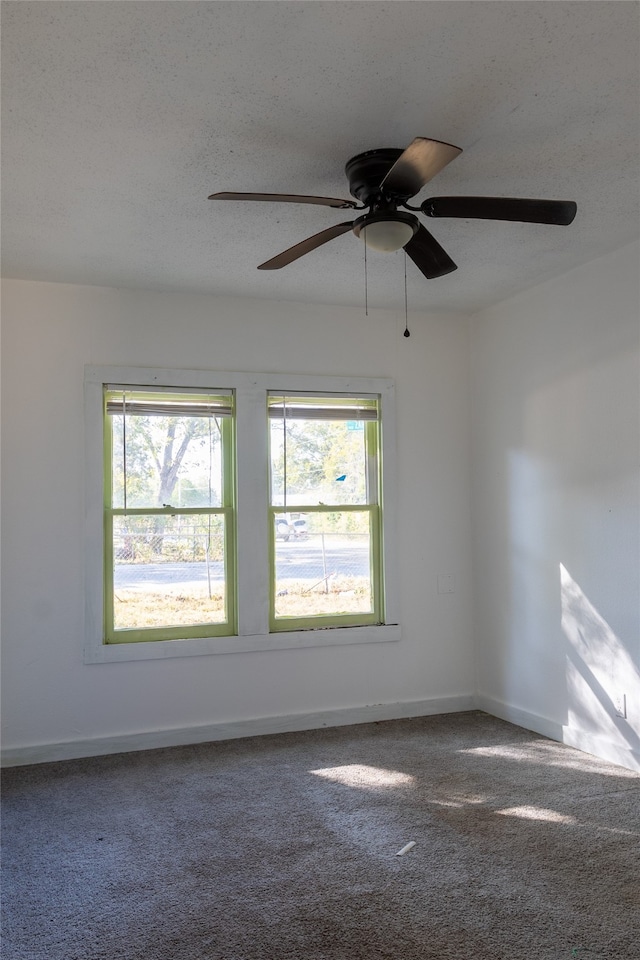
{"points": [[366, 172]]}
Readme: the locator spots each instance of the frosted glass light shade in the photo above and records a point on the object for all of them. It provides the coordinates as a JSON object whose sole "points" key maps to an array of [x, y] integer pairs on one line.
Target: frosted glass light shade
{"points": [[386, 235]]}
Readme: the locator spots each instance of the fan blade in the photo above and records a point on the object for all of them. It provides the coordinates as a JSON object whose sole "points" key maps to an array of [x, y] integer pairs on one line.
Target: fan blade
{"points": [[305, 246], [502, 208], [428, 255], [419, 163], [286, 198]]}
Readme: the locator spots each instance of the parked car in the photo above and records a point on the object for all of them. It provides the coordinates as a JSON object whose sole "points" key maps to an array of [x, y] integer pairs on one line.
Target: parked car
{"points": [[291, 526]]}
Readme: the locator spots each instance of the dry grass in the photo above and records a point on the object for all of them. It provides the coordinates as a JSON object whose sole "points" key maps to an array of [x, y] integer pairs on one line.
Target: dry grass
{"points": [[344, 595], [138, 609]]}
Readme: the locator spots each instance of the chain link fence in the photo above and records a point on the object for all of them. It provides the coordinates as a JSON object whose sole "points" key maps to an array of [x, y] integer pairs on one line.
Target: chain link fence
{"points": [[318, 570]]}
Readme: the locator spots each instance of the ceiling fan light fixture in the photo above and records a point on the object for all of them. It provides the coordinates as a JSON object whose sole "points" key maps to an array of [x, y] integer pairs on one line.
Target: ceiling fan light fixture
{"points": [[386, 232]]}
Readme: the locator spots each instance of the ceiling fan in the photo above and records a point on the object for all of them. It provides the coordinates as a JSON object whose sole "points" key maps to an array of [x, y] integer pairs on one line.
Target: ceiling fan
{"points": [[383, 180]]}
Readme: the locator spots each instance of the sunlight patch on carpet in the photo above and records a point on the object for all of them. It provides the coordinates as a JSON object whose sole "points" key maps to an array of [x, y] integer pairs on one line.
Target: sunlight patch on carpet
{"points": [[538, 813], [360, 775], [552, 755]]}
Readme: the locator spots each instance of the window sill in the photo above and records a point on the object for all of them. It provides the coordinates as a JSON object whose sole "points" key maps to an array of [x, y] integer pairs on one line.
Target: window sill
{"points": [[293, 640]]}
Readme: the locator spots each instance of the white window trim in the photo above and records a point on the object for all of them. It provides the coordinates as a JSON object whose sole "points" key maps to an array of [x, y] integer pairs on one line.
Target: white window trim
{"points": [[252, 512]]}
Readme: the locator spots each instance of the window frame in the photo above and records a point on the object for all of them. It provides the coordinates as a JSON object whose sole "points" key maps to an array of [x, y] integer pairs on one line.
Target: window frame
{"points": [[372, 507], [252, 565], [112, 635]]}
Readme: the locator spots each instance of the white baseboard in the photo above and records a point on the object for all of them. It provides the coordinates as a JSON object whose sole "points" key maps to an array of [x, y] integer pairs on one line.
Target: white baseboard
{"points": [[597, 746], [621, 754], [149, 740], [594, 744], [521, 718]]}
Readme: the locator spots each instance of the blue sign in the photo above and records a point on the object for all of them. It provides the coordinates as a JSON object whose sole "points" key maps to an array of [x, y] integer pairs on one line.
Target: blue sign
{"points": [[355, 425]]}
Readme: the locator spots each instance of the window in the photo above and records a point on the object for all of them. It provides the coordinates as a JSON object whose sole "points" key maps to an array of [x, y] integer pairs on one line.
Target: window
{"points": [[229, 512], [169, 527], [325, 511]]}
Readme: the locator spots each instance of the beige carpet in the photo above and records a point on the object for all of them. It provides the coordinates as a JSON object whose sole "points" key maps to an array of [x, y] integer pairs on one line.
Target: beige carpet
{"points": [[283, 847]]}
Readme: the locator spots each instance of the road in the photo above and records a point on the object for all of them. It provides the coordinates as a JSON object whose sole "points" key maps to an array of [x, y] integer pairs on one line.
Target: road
{"points": [[295, 560]]}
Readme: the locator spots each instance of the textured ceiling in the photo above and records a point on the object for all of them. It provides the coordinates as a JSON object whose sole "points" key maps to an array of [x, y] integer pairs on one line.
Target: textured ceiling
{"points": [[119, 118]]}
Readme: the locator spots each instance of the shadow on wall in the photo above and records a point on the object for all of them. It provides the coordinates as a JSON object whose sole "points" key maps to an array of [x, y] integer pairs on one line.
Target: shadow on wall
{"points": [[603, 682]]}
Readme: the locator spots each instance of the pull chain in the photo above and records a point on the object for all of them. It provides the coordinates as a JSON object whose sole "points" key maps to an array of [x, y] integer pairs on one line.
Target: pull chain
{"points": [[284, 452], [124, 449], [366, 301], [406, 310], [366, 306]]}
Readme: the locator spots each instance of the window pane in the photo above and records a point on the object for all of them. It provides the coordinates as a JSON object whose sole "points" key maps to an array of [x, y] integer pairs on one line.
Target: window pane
{"points": [[322, 461], [175, 460], [168, 571], [323, 569]]}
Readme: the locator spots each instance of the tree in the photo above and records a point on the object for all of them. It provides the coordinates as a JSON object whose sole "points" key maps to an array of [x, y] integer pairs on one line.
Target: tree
{"points": [[307, 446], [325, 462], [154, 450]]}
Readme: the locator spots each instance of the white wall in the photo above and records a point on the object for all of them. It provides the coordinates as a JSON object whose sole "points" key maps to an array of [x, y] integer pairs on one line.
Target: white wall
{"points": [[554, 496], [50, 331], [555, 506]]}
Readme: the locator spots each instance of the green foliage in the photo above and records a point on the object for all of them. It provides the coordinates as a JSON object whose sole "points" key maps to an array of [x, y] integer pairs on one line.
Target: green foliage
{"points": [[344, 521], [168, 539], [307, 442], [317, 453]]}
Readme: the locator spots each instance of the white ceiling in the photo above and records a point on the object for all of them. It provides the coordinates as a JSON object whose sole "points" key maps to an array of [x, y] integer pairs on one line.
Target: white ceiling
{"points": [[119, 118]]}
